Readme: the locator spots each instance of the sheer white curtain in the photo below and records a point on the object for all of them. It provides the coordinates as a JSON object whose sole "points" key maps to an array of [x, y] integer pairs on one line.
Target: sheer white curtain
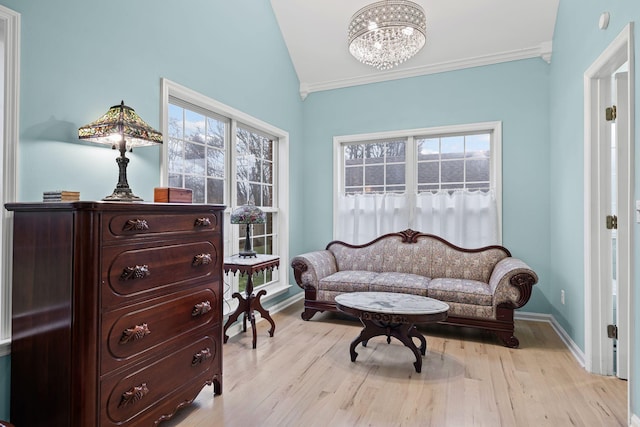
{"points": [[466, 219], [363, 217]]}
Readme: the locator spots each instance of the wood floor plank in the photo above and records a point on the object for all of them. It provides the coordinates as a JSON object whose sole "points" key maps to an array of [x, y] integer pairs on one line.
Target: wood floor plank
{"points": [[303, 376]]}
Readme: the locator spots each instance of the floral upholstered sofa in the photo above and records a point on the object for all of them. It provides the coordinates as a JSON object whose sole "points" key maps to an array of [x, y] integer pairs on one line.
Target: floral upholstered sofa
{"points": [[482, 286]]}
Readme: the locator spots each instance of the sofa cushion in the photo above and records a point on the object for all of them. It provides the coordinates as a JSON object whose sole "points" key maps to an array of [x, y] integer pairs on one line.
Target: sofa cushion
{"points": [[405, 283], [348, 281], [461, 291]]}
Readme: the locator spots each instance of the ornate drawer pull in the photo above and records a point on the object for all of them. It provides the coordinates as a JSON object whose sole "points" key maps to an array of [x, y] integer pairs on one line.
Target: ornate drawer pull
{"points": [[201, 308], [201, 356], [203, 222], [201, 259], [134, 334], [137, 272], [136, 225], [133, 395]]}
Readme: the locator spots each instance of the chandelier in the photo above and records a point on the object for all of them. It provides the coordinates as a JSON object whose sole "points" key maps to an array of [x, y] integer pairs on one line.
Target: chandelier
{"points": [[387, 33]]}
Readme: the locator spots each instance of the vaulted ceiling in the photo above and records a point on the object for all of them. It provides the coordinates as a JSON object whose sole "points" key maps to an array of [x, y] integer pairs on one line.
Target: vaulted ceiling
{"points": [[460, 34]]}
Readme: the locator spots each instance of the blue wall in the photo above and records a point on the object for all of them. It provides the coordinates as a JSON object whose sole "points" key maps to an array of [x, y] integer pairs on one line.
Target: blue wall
{"points": [[515, 93], [80, 57], [577, 44]]}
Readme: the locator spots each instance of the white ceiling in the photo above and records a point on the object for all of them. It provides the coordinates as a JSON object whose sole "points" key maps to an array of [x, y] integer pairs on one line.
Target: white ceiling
{"points": [[460, 34]]}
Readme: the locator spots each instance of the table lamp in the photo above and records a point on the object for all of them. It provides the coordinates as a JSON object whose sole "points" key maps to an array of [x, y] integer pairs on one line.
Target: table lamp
{"points": [[123, 129], [248, 214]]}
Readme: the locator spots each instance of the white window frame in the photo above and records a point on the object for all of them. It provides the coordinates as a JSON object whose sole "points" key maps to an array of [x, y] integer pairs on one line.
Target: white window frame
{"points": [[280, 209], [411, 135], [10, 29]]}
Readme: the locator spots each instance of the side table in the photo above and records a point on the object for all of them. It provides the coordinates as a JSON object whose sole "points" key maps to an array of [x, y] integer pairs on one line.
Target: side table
{"points": [[250, 302]]}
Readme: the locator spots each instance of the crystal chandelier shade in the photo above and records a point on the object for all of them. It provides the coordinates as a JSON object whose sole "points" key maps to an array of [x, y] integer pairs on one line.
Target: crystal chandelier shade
{"points": [[384, 34]]}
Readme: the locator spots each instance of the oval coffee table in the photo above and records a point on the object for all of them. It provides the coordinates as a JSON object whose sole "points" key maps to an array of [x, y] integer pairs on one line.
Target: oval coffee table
{"points": [[394, 315]]}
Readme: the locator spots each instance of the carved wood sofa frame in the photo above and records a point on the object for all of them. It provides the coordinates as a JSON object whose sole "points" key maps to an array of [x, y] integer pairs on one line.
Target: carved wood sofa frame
{"points": [[521, 279]]}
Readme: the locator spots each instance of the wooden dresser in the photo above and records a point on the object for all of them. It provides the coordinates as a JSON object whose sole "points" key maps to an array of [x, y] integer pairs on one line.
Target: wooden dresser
{"points": [[117, 311]]}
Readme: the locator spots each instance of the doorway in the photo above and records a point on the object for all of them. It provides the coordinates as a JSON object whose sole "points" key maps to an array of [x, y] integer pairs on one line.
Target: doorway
{"points": [[608, 198]]}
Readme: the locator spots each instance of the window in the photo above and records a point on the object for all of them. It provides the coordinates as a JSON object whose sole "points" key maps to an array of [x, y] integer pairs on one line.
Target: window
{"points": [[444, 181], [9, 96], [227, 157]]}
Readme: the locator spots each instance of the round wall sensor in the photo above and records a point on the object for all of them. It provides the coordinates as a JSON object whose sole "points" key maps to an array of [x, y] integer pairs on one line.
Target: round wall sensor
{"points": [[604, 21]]}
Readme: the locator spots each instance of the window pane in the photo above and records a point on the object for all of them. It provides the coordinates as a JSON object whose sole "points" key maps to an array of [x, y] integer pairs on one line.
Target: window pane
{"points": [[196, 184], [396, 152], [452, 147], [353, 176], [175, 152], [194, 126], [428, 149], [453, 171], [215, 191], [395, 174], [216, 131], [175, 121], [478, 145], [478, 186], [194, 158], [374, 153], [215, 163], [429, 172], [267, 195], [428, 188], [175, 180], [374, 175], [353, 154], [477, 170], [243, 190], [267, 172]]}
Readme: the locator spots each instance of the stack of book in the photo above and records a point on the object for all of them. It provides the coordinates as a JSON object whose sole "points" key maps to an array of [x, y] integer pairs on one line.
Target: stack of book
{"points": [[60, 196]]}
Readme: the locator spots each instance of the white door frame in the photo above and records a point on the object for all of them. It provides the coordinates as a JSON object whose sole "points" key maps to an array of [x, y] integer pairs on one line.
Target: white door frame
{"points": [[598, 293]]}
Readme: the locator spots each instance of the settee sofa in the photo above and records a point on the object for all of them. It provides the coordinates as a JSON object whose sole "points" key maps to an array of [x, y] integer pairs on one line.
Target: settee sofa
{"points": [[482, 286]]}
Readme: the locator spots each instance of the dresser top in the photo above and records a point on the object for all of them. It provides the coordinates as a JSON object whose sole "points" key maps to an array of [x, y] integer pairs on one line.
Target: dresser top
{"points": [[109, 206]]}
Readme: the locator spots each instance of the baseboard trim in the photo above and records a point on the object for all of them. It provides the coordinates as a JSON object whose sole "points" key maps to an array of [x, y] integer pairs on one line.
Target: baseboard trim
{"points": [[635, 421], [577, 353]]}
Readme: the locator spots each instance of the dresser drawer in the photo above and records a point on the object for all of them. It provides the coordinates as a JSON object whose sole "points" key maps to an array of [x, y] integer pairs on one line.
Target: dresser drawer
{"points": [[140, 271], [137, 393], [132, 332], [141, 225]]}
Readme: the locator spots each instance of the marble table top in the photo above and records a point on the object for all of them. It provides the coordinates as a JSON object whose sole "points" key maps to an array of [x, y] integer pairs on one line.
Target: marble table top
{"points": [[391, 303]]}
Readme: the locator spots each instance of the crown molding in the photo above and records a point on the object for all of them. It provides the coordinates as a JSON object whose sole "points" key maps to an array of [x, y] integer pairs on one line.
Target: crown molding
{"points": [[543, 50]]}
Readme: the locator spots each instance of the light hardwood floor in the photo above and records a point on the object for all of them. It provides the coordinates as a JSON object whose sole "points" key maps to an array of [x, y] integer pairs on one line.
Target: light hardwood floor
{"points": [[303, 376]]}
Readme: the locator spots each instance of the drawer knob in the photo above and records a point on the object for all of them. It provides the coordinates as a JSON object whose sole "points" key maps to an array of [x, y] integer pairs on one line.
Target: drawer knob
{"points": [[134, 334], [133, 395], [201, 259], [203, 222], [136, 225], [137, 272], [201, 356], [201, 308]]}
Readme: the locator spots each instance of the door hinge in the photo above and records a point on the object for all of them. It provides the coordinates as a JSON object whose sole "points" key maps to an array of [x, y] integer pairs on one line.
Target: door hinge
{"points": [[611, 113], [612, 331], [612, 222]]}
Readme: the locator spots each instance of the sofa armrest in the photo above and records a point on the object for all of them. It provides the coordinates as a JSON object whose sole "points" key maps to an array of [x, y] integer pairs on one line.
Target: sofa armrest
{"points": [[511, 282], [310, 268]]}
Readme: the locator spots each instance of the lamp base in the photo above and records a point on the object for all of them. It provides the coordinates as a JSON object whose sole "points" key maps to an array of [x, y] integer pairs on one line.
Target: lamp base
{"points": [[122, 195], [248, 254]]}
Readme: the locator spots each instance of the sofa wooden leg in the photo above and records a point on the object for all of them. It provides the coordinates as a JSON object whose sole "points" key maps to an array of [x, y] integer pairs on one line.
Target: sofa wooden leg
{"points": [[508, 339], [308, 313]]}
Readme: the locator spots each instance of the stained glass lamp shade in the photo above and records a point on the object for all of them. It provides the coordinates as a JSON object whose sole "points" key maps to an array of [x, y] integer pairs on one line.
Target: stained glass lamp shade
{"points": [[248, 214], [123, 129]]}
